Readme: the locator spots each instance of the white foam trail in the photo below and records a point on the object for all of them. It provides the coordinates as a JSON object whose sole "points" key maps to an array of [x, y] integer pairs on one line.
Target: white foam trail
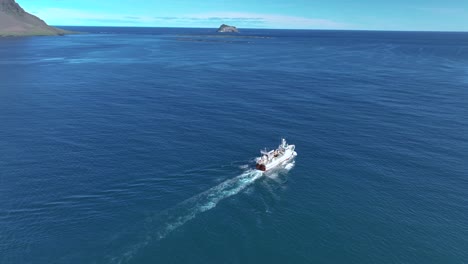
{"points": [[187, 210], [290, 165], [245, 166], [207, 200]]}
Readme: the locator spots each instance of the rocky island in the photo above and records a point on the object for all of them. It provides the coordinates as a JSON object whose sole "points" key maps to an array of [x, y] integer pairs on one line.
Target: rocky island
{"points": [[14, 21], [226, 29]]}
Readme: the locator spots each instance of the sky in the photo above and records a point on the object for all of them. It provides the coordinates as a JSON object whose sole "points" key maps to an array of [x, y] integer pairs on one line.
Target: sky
{"points": [[427, 15]]}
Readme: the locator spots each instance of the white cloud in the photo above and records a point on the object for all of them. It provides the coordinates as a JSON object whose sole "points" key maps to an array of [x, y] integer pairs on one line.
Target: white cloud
{"points": [[444, 10], [275, 21], [60, 16]]}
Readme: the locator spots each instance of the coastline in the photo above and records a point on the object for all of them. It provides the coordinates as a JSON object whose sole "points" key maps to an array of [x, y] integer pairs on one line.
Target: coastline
{"points": [[40, 33]]}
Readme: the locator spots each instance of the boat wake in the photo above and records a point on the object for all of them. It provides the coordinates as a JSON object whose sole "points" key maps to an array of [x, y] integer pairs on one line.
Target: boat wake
{"points": [[190, 208], [290, 165], [159, 226]]}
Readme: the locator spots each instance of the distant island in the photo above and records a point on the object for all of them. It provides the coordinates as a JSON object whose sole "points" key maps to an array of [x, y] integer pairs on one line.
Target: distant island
{"points": [[14, 21], [227, 29]]}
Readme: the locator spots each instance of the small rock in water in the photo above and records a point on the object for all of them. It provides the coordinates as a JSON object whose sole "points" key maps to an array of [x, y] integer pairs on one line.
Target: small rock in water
{"points": [[227, 29]]}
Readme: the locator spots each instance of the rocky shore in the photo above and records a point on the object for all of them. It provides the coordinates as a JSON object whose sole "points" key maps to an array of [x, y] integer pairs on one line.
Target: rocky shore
{"points": [[15, 21]]}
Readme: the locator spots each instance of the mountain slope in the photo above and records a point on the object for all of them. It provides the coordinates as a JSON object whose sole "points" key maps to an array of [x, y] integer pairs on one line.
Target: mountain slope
{"points": [[14, 21]]}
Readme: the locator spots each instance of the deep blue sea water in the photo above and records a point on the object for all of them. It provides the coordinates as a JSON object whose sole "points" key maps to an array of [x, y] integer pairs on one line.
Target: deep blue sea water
{"points": [[135, 145]]}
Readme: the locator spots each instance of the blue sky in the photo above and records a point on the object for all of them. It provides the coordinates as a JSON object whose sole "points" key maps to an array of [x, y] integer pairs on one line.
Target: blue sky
{"points": [[437, 15]]}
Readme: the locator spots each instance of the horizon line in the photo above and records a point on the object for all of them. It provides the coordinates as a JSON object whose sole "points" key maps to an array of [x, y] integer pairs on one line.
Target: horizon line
{"points": [[298, 29]]}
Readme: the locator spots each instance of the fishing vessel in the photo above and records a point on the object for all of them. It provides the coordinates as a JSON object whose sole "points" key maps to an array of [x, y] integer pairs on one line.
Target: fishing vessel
{"points": [[273, 158]]}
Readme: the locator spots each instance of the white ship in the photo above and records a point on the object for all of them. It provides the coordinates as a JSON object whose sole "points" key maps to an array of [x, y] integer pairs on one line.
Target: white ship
{"points": [[271, 159]]}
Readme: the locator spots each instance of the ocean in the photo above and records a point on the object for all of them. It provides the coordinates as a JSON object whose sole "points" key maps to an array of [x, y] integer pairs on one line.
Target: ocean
{"points": [[137, 145]]}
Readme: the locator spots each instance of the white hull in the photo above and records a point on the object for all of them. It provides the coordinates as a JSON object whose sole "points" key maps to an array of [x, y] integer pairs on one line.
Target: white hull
{"points": [[281, 160]]}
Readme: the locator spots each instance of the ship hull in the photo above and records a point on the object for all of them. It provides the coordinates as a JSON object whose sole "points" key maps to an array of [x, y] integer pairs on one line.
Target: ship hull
{"points": [[277, 161]]}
